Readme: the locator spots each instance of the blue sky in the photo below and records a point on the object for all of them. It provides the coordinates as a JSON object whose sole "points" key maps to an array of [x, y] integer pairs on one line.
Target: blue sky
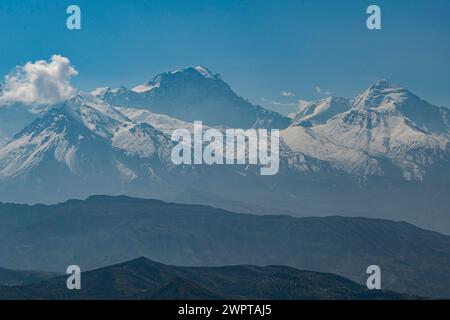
{"points": [[260, 47]]}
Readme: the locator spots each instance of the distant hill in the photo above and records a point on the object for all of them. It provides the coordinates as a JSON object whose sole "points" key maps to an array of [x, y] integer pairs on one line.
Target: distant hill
{"points": [[17, 278], [145, 279], [105, 230]]}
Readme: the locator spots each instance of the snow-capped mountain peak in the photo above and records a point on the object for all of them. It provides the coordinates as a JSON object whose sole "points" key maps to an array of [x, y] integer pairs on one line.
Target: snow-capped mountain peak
{"points": [[186, 73], [190, 74], [388, 99], [203, 71], [94, 113], [321, 111], [100, 91], [75, 132], [382, 95], [194, 93], [382, 85], [103, 92], [385, 121]]}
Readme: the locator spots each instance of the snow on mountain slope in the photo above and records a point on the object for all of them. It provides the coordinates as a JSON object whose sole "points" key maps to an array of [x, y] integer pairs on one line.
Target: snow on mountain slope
{"points": [[144, 88], [194, 94], [387, 136], [56, 136], [383, 96], [95, 114], [131, 137], [68, 133], [386, 122], [306, 141], [142, 140], [379, 132], [161, 122], [167, 125], [321, 111]]}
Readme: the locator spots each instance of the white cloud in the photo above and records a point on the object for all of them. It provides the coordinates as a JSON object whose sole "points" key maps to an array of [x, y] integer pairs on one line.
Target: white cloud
{"points": [[41, 82], [287, 94]]}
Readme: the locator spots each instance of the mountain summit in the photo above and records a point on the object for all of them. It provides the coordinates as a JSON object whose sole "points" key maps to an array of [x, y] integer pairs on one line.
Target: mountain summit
{"points": [[385, 122], [321, 111], [84, 145], [194, 94]]}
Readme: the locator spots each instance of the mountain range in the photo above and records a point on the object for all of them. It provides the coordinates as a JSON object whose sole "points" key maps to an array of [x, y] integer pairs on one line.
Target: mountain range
{"points": [[104, 230], [383, 154], [142, 278]]}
